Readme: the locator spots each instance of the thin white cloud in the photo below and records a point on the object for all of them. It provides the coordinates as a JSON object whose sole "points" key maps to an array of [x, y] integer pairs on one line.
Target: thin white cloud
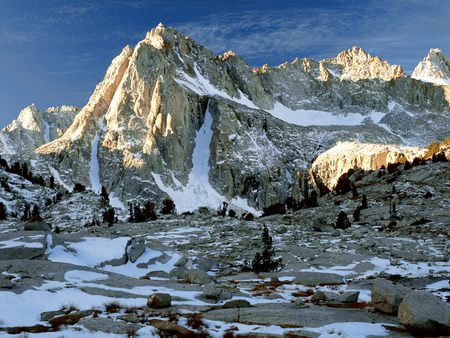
{"points": [[399, 31]]}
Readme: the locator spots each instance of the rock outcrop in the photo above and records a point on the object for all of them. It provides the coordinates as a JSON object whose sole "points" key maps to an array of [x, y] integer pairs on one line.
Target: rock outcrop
{"points": [[34, 128], [434, 68], [330, 165]]}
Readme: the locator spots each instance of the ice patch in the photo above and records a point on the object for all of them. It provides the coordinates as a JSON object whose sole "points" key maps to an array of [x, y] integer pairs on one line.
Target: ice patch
{"points": [[115, 202], [16, 242], [351, 329], [303, 117], [77, 276], [55, 174], [131, 269], [91, 251], [202, 86], [46, 132]]}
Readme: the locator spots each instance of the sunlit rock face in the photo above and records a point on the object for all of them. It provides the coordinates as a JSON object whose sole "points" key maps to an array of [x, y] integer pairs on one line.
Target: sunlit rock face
{"points": [[168, 104], [33, 128], [434, 68], [330, 165]]}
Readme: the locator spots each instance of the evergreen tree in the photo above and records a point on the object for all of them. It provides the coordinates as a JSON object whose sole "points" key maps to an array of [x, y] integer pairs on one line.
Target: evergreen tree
{"points": [[26, 212], [342, 221], [109, 216], [3, 212], [35, 216], [104, 194], [168, 208], [51, 182], [264, 261], [364, 204]]}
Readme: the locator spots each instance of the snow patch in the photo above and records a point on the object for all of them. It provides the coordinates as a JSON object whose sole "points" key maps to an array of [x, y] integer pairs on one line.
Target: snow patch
{"points": [[202, 86], [304, 117], [91, 251]]}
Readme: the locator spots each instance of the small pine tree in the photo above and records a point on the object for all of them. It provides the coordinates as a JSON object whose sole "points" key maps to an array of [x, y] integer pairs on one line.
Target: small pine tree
{"points": [[364, 204], [357, 214], [109, 216], [342, 221], [264, 261], [78, 188], [222, 210], [168, 208], [354, 191], [104, 194], [51, 182], [312, 201], [26, 212], [35, 215], [3, 211]]}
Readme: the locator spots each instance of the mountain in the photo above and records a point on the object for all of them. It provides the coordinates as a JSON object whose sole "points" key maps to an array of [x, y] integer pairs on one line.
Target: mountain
{"points": [[34, 128], [434, 68], [171, 119]]}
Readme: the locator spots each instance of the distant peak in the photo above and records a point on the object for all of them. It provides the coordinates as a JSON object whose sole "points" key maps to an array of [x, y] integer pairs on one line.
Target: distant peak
{"points": [[435, 51], [161, 26]]}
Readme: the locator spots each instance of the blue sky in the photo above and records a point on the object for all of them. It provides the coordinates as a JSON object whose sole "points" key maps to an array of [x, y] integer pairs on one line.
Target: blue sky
{"points": [[54, 52]]}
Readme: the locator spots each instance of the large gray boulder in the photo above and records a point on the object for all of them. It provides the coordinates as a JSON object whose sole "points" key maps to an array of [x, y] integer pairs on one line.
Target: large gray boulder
{"points": [[423, 311], [387, 296], [159, 300], [135, 249], [22, 245], [317, 278], [197, 276]]}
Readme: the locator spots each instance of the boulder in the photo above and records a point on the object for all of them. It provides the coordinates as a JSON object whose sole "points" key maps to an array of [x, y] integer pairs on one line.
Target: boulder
{"points": [[349, 297], [22, 245], [159, 300], [196, 276], [317, 278], [169, 329], [178, 273], [37, 226], [205, 264], [157, 274], [387, 296], [422, 311], [236, 303], [6, 283], [210, 291], [135, 249]]}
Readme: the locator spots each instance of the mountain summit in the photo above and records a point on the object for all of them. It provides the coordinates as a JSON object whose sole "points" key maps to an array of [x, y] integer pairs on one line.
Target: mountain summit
{"points": [[434, 68]]}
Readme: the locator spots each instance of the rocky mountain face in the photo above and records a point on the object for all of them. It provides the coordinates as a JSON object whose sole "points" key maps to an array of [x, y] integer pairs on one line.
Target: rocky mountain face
{"points": [[34, 128], [434, 68], [171, 119]]}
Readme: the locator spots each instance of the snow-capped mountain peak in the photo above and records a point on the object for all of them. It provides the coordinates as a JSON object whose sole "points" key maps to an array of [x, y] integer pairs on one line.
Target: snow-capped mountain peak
{"points": [[434, 68]]}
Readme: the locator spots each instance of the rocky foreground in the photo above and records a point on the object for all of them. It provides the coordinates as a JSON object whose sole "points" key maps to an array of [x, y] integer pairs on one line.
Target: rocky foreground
{"points": [[387, 274]]}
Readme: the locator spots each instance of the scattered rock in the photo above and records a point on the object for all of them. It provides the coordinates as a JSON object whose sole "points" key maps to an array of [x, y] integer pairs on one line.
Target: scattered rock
{"points": [[317, 278], [387, 296], [205, 264], [169, 329], [178, 273], [157, 274], [236, 303], [422, 311], [135, 249], [159, 301], [46, 316], [37, 226], [196, 276], [350, 297]]}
